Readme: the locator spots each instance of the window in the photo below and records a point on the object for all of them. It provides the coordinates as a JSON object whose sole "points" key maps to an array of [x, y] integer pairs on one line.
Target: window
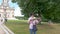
{"points": [[0, 15], [8, 15], [12, 15]]}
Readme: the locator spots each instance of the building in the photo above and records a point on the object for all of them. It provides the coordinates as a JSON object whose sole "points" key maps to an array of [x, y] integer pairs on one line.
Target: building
{"points": [[5, 10]]}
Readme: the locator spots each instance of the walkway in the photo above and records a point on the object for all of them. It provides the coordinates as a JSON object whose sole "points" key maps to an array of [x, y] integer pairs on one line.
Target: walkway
{"points": [[1, 31], [5, 30]]}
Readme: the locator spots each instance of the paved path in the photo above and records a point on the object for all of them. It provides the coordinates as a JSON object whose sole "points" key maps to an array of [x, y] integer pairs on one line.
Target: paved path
{"points": [[5, 30], [1, 31]]}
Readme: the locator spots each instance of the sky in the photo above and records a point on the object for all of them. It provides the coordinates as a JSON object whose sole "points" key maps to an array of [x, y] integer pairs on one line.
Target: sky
{"points": [[17, 11]]}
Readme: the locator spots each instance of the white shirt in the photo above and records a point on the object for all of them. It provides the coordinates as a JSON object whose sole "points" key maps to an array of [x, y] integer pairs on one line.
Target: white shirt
{"points": [[30, 21], [35, 22]]}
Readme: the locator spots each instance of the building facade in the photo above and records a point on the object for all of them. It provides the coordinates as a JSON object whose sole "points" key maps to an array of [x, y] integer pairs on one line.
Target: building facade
{"points": [[5, 10]]}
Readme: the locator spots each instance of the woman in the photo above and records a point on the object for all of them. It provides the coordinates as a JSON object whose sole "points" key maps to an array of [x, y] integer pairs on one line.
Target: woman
{"points": [[32, 25]]}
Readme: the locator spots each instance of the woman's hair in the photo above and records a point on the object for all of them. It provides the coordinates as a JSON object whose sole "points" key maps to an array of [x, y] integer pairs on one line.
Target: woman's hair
{"points": [[31, 14]]}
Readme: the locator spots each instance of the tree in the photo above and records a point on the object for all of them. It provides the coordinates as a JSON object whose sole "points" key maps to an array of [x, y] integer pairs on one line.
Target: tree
{"points": [[47, 8]]}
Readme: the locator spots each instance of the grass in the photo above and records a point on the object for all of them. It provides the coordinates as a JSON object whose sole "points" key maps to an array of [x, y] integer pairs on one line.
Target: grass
{"points": [[21, 27]]}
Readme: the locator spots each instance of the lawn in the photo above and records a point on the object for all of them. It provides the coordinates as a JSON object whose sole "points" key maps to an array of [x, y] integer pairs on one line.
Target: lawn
{"points": [[21, 27]]}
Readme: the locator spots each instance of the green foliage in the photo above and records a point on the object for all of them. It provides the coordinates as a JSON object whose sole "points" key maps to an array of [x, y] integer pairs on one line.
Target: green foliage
{"points": [[49, 9]]}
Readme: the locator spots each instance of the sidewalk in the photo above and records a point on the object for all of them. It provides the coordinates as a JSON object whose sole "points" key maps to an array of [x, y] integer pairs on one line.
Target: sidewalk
{"points": [[1, 31], [5, 30]]}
